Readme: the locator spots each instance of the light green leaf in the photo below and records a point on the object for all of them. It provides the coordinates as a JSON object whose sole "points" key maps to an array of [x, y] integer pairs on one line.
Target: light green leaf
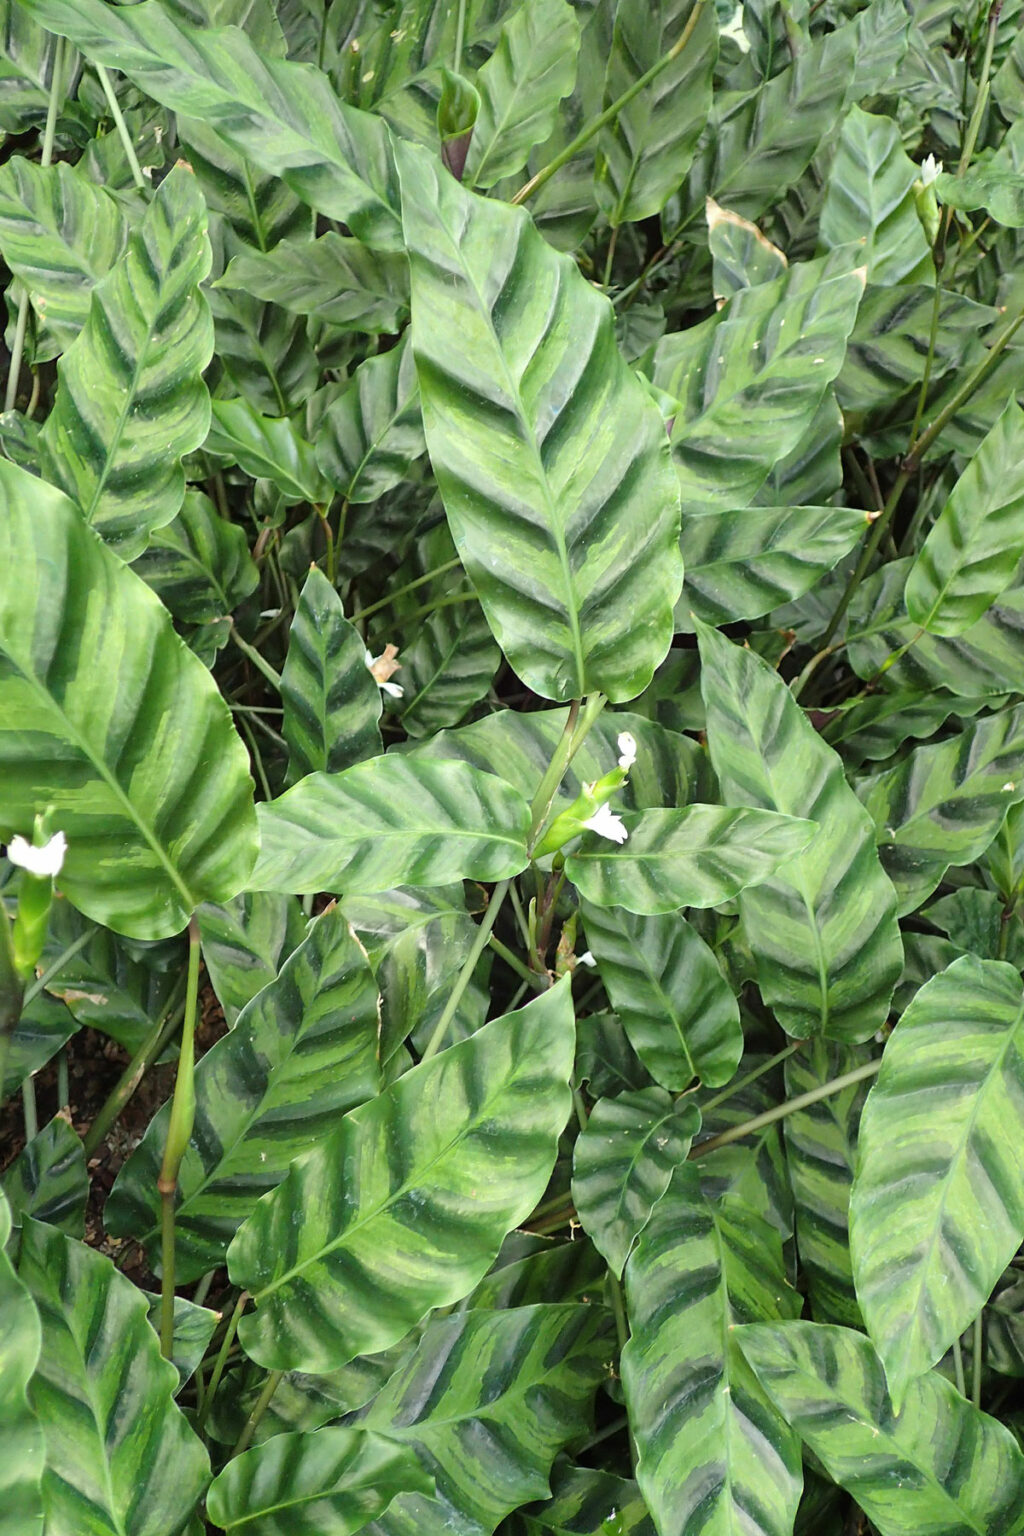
{"points": [[568, 532], [21, 1468], [404, 1207], [532, 68], [374, 430], [996, 184], [111, 719], [938, 1467], [447, 669], [48, 1179], [1008, 81], [283, 116], [741, 256], [329, 1482], [301, 1054], [870, 199], [121, 1459], [622, 1164], [698, 856], [338, 279], [26, 70], [937, 1209], [198, 564], [584, 1502], [974, 547], [666, 986], [823, 930], [391, 821], [267, 448], [245, 942]]}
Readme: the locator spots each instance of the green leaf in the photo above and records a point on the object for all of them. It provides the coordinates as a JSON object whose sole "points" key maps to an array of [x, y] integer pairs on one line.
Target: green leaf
{"points": [[584, 1502], [994, 185], [267, 448], [26, 70], [447, 669], [59, 234], [522, 1380], [108, 717], [374, 430], [870, 200], [45, 1025], [283, 116], [245, 941], [330, 1482], [21, 1469], [751, 379], [532, 68], [404, 1206], [130, 399], [893, 329], [823, 930], [710, 1446], [645, 151], [666, 986], [548, 452], [973, 549], [944, 803], [698, 856], [259, 209], [741, 256], [198, 564], [301, 1054], [937, 1209], [938, 1466], [391, 821], [48, 1179], [331, 700], [264, 351], [194, 1327], [120, 1456], [340, 280], [622, 1165]]}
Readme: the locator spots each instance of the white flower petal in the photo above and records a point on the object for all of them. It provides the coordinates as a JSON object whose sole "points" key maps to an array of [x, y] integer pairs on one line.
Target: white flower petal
{"points": [[395, 689], [606, 824], [930, 168], [587, 958], [627, 749], [48, 860]]}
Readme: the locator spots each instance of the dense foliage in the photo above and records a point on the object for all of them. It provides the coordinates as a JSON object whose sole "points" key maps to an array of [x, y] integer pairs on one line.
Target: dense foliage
{"points": [[511, 522]]}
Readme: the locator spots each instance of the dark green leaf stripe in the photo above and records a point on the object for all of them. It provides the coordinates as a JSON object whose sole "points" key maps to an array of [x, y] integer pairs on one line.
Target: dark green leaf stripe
{"points": [[939, 1466], [374, 430], [584, 1501], [268, 448], [331, 700], [404, 1207], [447, 669], [937, 1210], [121, 1459], [823, 930], [883, 356], [870, 200], [199, 564], [94, 685], [24, 1449], [48, 1179], [667, 988], [245, 942], [622, 1165], [532, 68], [302, 1053], [549, 454], [340, 280], [194, 1327]]}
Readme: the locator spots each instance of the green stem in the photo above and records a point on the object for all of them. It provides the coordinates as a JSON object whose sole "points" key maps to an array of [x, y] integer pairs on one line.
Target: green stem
{"points": [[483, 934], [221, 1360], [612, 243], [751, 1077], [578, 724], [28, 1100], [41, 982], [179, 1130], [610, 113], [520, 967], [976, 1355], [802, 1101], [958, 1367], [122, 128], [272, 677], [981, 100], [262, 1403], [460, 35], [149, 1051], [410, 586]]}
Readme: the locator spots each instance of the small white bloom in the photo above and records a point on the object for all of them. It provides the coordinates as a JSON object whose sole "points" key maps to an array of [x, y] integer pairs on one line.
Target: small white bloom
{"points": [[930, 169], [587, 958], [627, 749], [381, 669], [48, 860], [1010, 785], [606, 824]]}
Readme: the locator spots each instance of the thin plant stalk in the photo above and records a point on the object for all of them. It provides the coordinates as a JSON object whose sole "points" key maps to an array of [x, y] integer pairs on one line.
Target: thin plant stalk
{"points": [[802, 1101], [179, 1130], [977, 1350], [260, 1407], [483, 934], [149, 1051], [751, 1077], [221, 1360], [410, 586], [122, 127]]}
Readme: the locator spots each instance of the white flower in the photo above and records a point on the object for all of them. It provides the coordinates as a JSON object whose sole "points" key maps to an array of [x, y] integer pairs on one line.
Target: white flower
{"points": [[606, 824], [587, 958], [930, 168], [48, 860], [627, 748], [381, 669]]}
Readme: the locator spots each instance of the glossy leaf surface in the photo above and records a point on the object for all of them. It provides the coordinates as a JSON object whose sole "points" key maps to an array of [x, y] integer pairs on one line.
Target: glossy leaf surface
{"points": [[21, 1501]]}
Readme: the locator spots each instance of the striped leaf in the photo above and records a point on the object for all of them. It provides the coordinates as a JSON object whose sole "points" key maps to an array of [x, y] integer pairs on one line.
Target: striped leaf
{"points": [[405, 1205], [945, 802], [194, 1327], [937, 1210], [938, 1466], [121, 1459], [267, 448], [666, 986], [521, 85], [107, 984], [283, 116], [374, 430], [994, 185], [26, 70], [265, 353], [568, 532], [331, 701], [698, 856], [710, 1446], [448, 668], [258, 208], [645, 151], [48, 1179], [584, 1502], [973, 548], [199, 564], [245, 942], [21, 1469], [823, 930], [340, 280], [488, 1400], [893, 329], [45, 1025], [108, 717], [870, 199], [622, 1164], [741, 256], [301, 1054], [330, 1482], [391, 821], [130, 399]]}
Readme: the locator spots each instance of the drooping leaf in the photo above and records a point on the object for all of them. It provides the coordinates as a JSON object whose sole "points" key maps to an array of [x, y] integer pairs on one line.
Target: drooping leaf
{"points": [[44, 1026], [94, 686], [198, 564], [21, 1468], [301, 1054], [823, 930], [245, 942], [268, 448], [194, 1327], [374, 430], [336, 278], [549, 455], [48, 1179], [666, 986], [447, 669], [414, 1193], [130, 400], [391, 821], [870, 200], [939, 1465], [942, 1119], [121, 1459], [622, 1165], [741, 256]]}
